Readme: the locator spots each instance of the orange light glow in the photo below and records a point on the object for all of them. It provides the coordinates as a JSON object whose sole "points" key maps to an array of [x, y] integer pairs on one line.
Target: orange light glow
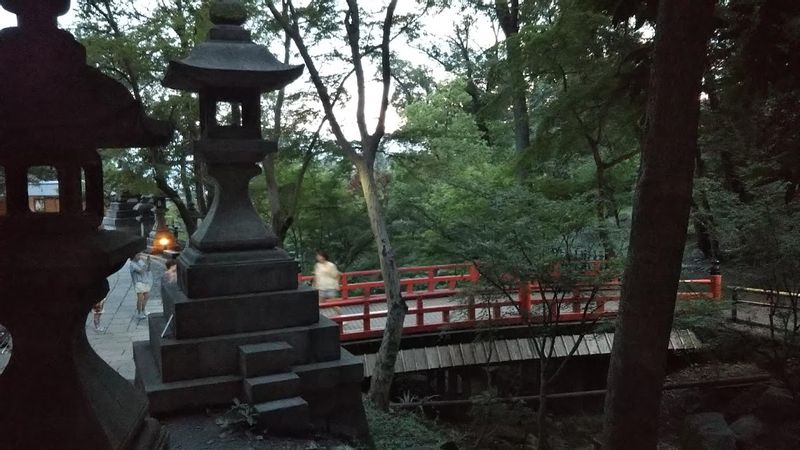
{"points": [[164, 241]]}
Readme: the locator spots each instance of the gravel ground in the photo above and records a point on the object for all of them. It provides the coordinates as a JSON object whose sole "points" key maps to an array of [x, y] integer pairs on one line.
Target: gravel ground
{"points": [[200, 432]]}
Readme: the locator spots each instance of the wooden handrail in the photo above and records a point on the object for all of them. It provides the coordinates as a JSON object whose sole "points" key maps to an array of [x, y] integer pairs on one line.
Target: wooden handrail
{"points": [[418, 289]]}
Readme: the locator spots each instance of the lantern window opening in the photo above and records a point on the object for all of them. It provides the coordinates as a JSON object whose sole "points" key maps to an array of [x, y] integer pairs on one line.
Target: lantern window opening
{"points": [[83, 189], [228, 114], [43, 189], [3, 205]]}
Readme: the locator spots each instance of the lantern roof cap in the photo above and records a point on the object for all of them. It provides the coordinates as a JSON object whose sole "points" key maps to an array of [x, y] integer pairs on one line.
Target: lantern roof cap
{"points": [[229, 58], [50, 96]]}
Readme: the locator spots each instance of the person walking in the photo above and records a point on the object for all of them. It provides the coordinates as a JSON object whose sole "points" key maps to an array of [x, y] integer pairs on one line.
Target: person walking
{"points": [[142, 282], [97, 313], [171, 275], [326, 279]]}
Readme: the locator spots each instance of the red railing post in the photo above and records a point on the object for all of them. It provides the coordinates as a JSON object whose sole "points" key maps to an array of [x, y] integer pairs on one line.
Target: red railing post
{"points": [[420, 312], [473, 273], [525, 297], [577, 299], [344, 290], [431, 284], [367, 324], [471, 308]]}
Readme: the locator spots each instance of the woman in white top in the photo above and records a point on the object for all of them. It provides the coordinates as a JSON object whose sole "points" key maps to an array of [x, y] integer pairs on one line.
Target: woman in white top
{"points": [[142, 282], [326, 277]]}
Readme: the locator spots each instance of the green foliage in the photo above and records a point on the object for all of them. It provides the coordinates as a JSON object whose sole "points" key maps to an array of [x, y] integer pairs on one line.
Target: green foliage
{"points": [[240, 415], [400, 430]]}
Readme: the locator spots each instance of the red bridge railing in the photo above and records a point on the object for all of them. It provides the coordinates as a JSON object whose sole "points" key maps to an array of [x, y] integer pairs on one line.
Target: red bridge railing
{"points": [[422, 285]]}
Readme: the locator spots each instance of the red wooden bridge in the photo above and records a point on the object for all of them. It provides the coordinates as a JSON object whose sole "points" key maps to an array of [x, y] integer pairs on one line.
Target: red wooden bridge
{"points": [[447, 297]]}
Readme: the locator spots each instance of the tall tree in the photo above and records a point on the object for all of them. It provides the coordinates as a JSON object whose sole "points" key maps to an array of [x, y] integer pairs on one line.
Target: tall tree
{"points": [[120, 39], [508, 14], [660, 218], [363, 157]]}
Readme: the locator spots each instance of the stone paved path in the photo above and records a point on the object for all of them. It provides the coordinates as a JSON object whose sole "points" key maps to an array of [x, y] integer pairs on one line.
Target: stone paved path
{"points": [[119, 327]]}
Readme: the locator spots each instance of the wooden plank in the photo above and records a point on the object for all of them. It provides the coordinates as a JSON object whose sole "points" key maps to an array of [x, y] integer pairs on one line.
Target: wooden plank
{"points": [[591, 342], [559, 346], [674, 342], [602, 344], [580, 347], [432, 357], [569, 342], [444, 356], [609, 340], [538, 345], [479, 351], [585, 345], [408, 360], [686, 337], [367, 366], [456, 355], [420, 362], [399, 364], [513, 350], [503, 353], [525, 348], [468, 352], [492, 352], [698, 344]]}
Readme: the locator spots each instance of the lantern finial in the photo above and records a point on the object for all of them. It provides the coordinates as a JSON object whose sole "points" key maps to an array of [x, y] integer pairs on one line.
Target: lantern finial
{"points": [[228, 12], [37, 13]]}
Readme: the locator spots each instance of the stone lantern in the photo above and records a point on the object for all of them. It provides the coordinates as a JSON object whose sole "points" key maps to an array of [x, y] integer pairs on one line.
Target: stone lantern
{"points": [[236, 325], [160, 238], [55, 112]]}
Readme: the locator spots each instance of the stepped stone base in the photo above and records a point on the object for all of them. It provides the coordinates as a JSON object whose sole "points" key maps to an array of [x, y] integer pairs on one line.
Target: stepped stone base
{"points": [[297, 378], [243, 313]]}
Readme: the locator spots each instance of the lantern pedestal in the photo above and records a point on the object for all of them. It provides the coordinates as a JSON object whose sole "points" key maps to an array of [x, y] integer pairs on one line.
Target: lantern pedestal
{"points": [[56, 392], [236, 326]]}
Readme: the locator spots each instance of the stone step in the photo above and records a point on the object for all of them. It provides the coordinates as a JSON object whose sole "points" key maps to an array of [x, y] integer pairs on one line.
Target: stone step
{"points": [[329, 374], [266, 358], [284, 416], [181, 396], [183, 359], [271, 387]]}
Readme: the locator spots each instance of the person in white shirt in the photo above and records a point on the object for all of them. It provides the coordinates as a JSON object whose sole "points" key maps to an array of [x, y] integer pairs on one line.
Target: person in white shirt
{"points": [[142, 282], [326, 278]]}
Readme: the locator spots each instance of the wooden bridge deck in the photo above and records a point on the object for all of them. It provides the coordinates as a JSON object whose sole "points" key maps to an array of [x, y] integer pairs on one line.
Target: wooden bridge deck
{"points": [[510, 350]]}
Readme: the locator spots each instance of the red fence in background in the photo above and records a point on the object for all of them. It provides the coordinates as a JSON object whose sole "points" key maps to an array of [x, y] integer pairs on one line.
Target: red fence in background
{"points": [[421, 285]]}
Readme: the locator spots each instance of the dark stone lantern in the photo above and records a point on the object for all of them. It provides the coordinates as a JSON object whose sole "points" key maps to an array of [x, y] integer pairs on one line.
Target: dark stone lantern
{"points": [[236, 325], [55, 112], [230, 72], [160, 238]]}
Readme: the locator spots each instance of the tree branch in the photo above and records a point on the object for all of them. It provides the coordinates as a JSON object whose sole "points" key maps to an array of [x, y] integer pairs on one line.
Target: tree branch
{"points": [[386, 72]]}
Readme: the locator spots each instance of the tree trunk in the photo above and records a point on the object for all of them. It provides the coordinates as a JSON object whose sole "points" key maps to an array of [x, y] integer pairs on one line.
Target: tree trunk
{"points": [[185, 183], [541, 413], [509, 17], [200, 186], [659, 224], [390, 343], [161, 182]]}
